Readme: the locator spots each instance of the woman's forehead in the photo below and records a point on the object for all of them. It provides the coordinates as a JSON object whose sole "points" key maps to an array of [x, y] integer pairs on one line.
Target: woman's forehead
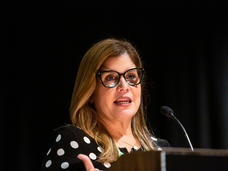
{"points": [[122, 62]]}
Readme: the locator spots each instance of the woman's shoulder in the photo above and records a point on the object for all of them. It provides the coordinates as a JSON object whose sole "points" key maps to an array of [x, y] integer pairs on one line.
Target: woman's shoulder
{"points": [[69, 132], [67, 142], [160, 142], [69, 128]]}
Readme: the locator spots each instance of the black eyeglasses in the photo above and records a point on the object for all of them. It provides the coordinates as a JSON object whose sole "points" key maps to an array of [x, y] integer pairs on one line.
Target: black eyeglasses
{"points": [[111, 78]]}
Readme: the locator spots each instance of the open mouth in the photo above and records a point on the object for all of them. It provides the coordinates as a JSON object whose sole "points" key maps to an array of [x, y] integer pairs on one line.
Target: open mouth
{"points": [[123, 100]]}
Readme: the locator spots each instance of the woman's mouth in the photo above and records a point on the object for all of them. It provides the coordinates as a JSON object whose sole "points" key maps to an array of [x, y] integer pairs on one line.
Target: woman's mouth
{"points": [[123, 101]]}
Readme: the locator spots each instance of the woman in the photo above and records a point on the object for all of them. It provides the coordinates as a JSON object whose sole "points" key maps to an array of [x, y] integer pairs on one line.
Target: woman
{"points": [[106, 111]]}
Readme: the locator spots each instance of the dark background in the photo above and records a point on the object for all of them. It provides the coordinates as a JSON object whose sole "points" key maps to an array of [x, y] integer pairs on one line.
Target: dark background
{"points": [[185, 55]]}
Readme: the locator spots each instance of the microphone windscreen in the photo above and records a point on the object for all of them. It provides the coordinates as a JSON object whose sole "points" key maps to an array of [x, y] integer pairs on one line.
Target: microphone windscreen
{"points": [[167, 111]]}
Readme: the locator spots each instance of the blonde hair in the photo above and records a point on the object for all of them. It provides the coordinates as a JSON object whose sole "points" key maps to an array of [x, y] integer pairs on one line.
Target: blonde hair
{"points": [[84, 115]]}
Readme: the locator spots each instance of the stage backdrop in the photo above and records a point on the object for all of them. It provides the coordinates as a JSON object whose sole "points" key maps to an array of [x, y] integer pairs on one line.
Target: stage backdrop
{"points": [[185, 57]]}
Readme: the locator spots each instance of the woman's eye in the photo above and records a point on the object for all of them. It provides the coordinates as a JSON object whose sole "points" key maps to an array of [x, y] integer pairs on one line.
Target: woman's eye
{"points": [[110, 78], [131, 76]]}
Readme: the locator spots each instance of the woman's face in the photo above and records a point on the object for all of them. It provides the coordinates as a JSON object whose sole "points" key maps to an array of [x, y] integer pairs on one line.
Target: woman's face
{"points": [[121, 102]]}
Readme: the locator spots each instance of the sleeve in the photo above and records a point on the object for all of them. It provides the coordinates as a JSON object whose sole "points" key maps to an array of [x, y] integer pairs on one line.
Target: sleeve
{"points": [[163, 143], [69, 141], [160, 142]]}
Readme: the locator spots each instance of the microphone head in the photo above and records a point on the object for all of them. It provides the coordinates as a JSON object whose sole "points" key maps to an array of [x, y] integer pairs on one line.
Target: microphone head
{"points": [[167, 111]]}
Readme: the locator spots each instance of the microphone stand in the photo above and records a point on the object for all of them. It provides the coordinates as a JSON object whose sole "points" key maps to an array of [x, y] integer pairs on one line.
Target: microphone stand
{"points": [[168, 112], [174, 117]]}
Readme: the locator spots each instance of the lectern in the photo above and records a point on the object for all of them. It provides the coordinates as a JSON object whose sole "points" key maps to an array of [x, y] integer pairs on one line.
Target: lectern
{"points": [[173, 159]]}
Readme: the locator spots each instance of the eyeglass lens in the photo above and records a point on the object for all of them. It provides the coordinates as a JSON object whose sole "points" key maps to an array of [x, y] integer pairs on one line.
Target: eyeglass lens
{"points": [[112, 78]]}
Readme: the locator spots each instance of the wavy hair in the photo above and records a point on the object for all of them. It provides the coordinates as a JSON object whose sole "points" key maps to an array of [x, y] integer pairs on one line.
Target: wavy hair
{"points": [[83, 113]]}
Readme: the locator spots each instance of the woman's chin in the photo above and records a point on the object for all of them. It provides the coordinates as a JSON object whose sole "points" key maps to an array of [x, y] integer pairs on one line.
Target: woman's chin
{"points": [[126, 113]]}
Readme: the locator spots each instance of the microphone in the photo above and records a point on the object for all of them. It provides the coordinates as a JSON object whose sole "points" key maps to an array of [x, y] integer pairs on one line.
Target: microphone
{"points": [[168, 112]]}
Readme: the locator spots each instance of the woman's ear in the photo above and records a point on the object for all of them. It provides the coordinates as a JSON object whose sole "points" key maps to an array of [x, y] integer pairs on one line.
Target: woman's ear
{"points": [[91, 101]]}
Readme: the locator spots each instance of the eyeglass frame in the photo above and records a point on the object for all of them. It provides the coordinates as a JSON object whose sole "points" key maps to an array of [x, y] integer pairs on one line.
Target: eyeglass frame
{"points": [[99, 73]]}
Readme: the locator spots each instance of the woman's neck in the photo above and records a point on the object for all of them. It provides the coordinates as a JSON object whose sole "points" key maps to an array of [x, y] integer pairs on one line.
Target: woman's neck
{"points": [[122, 135], [118, 129]]}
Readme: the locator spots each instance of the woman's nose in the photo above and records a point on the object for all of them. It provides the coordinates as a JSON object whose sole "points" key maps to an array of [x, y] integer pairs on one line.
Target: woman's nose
{"points": [[123, 85]]}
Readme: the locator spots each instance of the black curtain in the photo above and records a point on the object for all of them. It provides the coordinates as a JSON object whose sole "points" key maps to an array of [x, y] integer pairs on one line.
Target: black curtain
{"points": [[184, 54]]}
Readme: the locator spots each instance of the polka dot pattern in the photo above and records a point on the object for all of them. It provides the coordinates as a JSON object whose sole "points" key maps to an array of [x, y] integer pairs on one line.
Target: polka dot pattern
{"points": [[68, 143], [58, 138], [67, 146], [107, 165], [74, 144], [48, 151], [86, 139], [154, 139], [92, 156], [48, 163], [64, 165], [99, 149], [60, 152]]}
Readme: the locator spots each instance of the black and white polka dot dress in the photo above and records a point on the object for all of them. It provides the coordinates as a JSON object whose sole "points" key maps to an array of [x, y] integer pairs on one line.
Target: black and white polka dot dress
{"points": [[69, 141]]}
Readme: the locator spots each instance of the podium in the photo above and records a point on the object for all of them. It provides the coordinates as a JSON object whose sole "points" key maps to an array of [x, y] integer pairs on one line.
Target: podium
{"points": [[173, 159]]}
